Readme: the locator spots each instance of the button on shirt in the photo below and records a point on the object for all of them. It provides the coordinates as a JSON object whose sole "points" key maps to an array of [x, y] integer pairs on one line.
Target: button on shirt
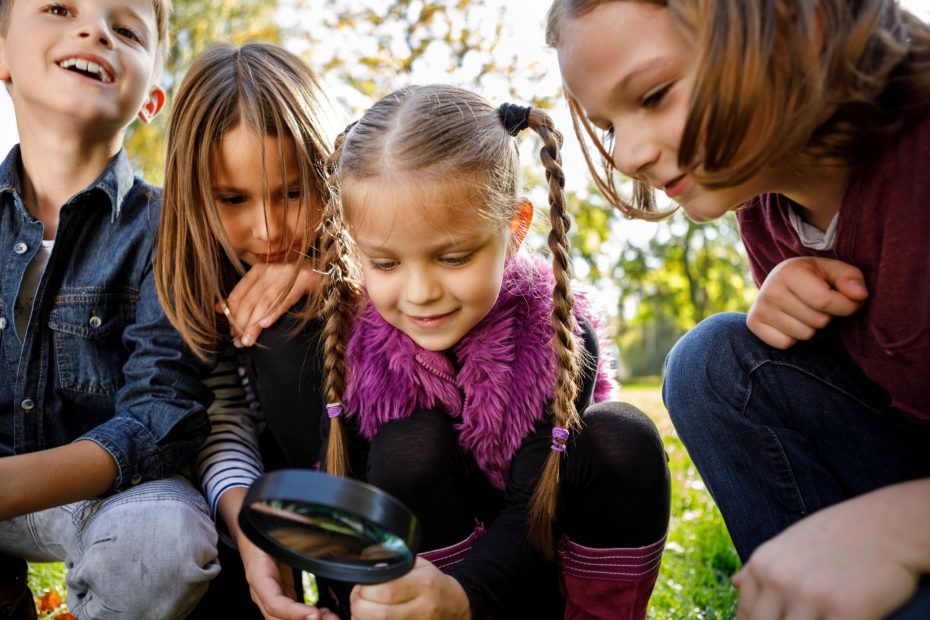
{"points": [[98, 359]]}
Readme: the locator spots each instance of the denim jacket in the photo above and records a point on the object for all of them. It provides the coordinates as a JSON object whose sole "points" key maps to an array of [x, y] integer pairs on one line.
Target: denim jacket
{"points": [[99, 359]]}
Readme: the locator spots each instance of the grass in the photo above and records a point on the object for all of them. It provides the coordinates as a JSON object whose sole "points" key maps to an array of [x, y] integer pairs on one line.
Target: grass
{"points": [[694, 581]]}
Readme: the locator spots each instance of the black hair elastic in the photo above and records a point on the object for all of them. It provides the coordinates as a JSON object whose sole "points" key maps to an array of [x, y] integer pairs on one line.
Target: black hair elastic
{"points": [[515, 117]]}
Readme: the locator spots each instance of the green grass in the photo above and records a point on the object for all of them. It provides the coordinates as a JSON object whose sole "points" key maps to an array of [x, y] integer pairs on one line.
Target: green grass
{"points": [[694, 581]]}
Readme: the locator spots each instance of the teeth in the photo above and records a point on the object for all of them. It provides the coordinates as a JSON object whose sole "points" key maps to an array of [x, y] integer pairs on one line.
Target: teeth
{"points": [[87, 65]]}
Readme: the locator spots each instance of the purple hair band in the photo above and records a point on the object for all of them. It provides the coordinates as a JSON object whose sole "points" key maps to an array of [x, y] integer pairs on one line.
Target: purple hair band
{"points": [[559, 438], [333, 410]]}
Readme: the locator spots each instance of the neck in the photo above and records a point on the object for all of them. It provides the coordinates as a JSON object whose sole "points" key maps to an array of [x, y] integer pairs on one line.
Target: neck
{"points": [[818, 192], [57, 164]]}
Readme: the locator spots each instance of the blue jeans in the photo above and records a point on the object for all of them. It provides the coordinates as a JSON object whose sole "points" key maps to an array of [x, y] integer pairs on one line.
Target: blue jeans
{"points": [[146, 553], [777, 435]]}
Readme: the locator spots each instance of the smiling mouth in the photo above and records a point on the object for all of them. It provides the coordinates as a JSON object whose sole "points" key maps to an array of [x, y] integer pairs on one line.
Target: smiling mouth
{"points": [[431, 321], [87, 68]]}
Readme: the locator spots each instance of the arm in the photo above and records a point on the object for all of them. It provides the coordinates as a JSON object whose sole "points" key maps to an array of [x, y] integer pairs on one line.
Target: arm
{"points": [[38, 480], [264, 293], [802, 295], [859, 559], [230, 457]]}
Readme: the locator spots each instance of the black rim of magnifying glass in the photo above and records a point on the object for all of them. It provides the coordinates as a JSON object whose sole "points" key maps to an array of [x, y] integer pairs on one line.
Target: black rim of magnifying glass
{"points": [[349, 496]]}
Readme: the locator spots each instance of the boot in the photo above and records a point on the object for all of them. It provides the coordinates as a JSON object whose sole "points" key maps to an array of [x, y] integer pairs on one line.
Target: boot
{"points": [[15, 597], [608, 584]]}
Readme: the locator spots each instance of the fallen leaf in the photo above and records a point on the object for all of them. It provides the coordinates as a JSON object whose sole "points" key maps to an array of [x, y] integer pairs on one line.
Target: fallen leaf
{"points": [[48, 602]]}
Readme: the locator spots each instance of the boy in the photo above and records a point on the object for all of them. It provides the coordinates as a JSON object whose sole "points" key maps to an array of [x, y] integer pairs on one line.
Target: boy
{"points": [[97, 392]]}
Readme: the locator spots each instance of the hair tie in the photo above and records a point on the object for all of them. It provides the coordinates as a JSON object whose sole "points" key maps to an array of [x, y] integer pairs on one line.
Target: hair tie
{"points": [[333, 410], [515, 117], [559, 438]]}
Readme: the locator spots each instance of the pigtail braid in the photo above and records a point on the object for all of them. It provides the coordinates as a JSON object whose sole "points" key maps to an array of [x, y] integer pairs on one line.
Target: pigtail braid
{"points": [[339, 292], [543, 506]]}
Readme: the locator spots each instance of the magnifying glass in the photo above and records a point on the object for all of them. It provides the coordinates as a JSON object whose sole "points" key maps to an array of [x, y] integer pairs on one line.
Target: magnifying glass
{"points": [[333, 527]]}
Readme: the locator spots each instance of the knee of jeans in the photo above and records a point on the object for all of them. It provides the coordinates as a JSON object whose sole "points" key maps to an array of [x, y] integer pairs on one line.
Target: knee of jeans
{"points": [[701, 359], [146, 556]]}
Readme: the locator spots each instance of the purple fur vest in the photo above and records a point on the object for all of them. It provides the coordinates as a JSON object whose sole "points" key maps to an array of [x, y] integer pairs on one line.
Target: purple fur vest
{"points": [[505, 378]]}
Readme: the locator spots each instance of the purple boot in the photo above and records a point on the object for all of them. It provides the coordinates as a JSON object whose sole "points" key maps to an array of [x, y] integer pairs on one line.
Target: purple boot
{"points": [[608, 584]]}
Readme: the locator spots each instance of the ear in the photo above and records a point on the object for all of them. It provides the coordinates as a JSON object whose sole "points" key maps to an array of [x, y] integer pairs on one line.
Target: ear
{"points": [[4, 67], [152, 105], [520, 226]]}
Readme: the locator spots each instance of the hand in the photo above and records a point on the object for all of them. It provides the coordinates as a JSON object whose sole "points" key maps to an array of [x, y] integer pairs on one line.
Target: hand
{"points": [[857, 560], [802, 295], [423, 593], [262, 296], [272, 587]]}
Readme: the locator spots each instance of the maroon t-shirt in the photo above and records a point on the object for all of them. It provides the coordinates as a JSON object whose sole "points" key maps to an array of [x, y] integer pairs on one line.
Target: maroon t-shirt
{"points": [[884, 230]]}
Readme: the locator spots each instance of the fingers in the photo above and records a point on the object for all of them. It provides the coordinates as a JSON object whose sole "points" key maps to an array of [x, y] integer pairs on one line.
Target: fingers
{"points": [[263, 295], [801, 296]]}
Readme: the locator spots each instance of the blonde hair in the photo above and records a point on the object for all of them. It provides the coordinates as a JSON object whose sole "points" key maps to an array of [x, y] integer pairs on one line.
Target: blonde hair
{"points": [[856, 72], [270, 90], [447, 134]]}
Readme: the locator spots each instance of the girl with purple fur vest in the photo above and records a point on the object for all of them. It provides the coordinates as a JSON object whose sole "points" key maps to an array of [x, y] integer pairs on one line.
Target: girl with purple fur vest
{"points": [[460, 378]]}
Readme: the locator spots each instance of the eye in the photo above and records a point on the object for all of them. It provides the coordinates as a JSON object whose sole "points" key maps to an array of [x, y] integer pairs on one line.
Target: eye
{"points": [[457, 261], [128, 33], [231, 200], [57, 9], [655, 97], [383, 264], [294, 194]]}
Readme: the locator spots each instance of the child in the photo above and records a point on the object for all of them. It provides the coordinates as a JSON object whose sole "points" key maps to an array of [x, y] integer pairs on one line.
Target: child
{"points": [[247, 144], [100, 403], [466, 370], [810, 417]]}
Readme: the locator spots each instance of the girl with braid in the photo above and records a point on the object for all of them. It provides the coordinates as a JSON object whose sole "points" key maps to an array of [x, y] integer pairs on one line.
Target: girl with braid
{"points": [[461, 374]]}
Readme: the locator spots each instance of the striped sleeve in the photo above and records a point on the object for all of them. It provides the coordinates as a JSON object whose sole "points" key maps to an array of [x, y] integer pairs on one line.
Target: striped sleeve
{"points": [[230, 456]]}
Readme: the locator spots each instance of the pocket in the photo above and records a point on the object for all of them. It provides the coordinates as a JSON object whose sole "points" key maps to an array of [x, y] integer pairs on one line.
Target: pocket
{"points": [[87, 328]]}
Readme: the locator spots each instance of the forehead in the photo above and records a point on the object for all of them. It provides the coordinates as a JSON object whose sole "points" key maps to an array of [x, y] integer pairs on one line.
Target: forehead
{"points": [[613, 42], [382, 211]]}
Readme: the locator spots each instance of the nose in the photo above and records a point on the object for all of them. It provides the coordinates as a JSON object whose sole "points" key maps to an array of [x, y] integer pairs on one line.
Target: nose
{"points": [[94, 26], [634, 152], [267, 224], [422, 286]]}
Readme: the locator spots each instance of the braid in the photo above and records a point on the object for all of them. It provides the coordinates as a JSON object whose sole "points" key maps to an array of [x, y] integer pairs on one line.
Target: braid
{"points": [[339, 292], [543, 506]]}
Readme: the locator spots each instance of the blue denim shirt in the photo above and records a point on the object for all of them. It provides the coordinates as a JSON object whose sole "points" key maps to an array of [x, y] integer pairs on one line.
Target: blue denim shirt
{"points": [[99, 359]]}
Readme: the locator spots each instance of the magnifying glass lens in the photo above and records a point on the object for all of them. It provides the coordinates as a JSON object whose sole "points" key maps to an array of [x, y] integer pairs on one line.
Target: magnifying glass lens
{"points": [[322, 533], [333, 527]]}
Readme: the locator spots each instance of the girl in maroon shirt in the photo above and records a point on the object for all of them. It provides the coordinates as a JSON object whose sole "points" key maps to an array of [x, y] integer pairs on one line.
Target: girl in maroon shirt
{"points": [[813, 119]]}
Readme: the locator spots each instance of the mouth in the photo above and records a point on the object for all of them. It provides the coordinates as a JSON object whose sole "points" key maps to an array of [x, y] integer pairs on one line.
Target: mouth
{"points": [[93, 69], [430, 322], [274, 257], [676, 186]]}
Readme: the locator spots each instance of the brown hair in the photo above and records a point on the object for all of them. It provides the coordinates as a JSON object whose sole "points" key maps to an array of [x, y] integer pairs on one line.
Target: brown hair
{"points": [[162, 19], [856, 72], [269, 90], [440, 133]]}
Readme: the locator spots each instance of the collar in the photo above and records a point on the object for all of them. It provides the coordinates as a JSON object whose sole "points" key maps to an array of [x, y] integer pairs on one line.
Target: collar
{"points": [[499, 388], [116, 180]]}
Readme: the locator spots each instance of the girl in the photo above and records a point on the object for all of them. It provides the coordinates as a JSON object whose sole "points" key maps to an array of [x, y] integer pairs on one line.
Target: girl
{"points": [[243, 192], [466, 372], [814, 120]]}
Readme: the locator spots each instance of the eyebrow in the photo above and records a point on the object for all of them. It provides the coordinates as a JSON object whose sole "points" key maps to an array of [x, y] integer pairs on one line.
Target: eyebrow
{"points": [[650, 65], [290, 184], [452, 245]]}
